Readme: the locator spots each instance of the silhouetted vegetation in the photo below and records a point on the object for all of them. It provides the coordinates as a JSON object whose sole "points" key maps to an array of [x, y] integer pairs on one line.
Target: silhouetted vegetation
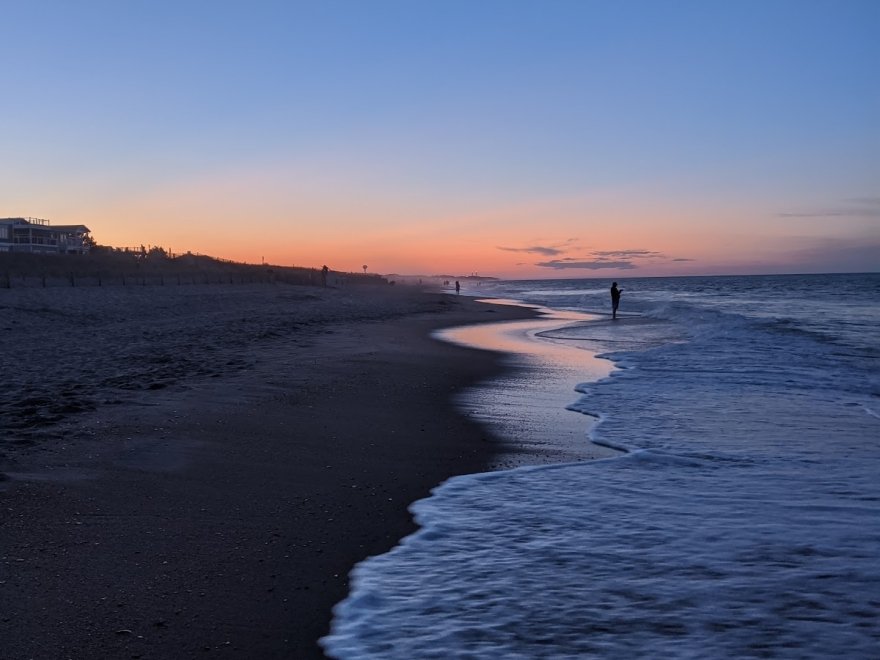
{"points": [[107, 266]]}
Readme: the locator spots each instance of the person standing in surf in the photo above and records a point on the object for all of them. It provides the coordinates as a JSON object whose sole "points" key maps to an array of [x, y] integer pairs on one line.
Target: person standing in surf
{"points": [[615, 300]]}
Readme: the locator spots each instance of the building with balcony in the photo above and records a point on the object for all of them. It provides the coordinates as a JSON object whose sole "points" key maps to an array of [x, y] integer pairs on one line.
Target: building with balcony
{"points": [[37, 235]]}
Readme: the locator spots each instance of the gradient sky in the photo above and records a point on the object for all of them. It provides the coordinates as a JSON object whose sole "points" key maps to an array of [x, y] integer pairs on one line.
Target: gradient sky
{"points": [[550, 138]]}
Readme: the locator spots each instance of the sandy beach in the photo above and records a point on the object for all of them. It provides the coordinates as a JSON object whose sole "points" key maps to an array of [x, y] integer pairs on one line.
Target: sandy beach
{"points": [[194, 470]]}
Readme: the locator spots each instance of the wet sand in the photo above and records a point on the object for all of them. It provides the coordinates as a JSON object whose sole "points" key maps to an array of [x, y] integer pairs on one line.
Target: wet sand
{"points": [[528, 405], [193, 472]]}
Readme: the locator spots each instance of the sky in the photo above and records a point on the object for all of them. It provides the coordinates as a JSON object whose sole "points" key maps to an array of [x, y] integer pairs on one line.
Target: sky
{"points": [[508, 138]]}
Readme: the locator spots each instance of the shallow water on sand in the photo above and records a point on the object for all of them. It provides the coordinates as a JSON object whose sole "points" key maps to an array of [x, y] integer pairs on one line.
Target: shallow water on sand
{"points": [[529, 405]]}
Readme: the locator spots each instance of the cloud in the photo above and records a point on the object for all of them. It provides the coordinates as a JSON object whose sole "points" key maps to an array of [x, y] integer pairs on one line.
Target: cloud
{"points": [[628, 254], [683, 259], [588, 259], [854, 207], [535, 249], [840, 255], [579, 264], [833, 213], [870, 201]]}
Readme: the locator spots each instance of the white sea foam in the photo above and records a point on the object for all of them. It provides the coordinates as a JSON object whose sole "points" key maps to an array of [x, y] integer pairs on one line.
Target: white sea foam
{"points": [[743, 522], [644, 555]]}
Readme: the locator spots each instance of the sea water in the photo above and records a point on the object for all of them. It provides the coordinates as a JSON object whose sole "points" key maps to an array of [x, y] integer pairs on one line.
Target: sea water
{"points": [[742, 521]]}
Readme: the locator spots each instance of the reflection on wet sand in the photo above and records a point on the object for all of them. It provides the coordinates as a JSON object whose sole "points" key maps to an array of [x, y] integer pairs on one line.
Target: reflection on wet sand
{"points": [[527, 406]]}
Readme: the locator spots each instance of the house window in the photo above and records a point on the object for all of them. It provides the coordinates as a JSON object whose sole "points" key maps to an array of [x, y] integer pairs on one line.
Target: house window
{"points": [[4, 232]]}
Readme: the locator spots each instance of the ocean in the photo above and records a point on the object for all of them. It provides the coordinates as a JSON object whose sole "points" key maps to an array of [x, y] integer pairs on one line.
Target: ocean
{"points": [[740, 517]]}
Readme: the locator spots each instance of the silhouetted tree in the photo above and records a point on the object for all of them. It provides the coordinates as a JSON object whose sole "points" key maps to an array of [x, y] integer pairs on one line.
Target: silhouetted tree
{"points": [[157, 253]]}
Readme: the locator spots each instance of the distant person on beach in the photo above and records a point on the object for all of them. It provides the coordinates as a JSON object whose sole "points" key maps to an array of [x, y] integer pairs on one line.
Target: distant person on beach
{"points": [[457, 287], [615, 300], [324, 272]]}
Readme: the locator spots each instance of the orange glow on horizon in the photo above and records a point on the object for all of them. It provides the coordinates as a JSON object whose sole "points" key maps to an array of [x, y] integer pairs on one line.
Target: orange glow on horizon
{"points": [[252, 219]]}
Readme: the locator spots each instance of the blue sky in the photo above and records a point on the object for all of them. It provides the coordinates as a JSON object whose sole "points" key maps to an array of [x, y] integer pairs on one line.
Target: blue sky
{"points": [[517, 123]]}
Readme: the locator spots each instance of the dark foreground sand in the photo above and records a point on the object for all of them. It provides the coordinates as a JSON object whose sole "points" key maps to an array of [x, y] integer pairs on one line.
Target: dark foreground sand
{"points": [[193, 472]]}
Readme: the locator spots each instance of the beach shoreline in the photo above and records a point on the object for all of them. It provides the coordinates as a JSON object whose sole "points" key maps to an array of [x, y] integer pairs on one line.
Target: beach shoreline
{"points": [[532, 404], [222, 510]]}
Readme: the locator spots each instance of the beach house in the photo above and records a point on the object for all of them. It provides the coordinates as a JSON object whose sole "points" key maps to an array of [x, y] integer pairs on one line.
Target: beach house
{"points": [[37, 235]]}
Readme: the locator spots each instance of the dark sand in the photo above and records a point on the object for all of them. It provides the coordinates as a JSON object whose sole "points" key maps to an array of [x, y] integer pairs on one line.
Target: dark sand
{"points": [[216, 509]]}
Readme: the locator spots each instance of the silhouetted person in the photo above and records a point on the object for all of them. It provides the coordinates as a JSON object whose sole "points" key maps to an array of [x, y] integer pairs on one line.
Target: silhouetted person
{"points": [[324, 272], [457, 287], [615, 300]]}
